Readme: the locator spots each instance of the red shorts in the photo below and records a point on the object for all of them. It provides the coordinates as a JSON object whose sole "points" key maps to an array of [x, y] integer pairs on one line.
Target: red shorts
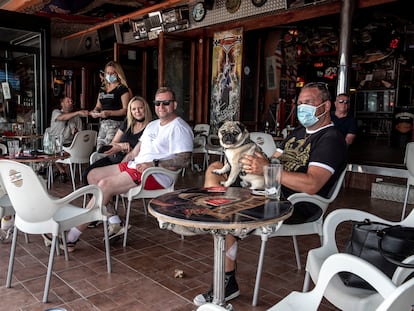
{"points": [[151, 184]]}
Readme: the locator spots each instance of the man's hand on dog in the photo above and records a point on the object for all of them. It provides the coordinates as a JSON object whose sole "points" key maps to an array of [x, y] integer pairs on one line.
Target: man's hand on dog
{"points": [[253, 164]]}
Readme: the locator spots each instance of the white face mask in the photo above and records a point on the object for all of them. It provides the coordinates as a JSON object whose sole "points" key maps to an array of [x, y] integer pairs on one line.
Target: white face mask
{"points": [[306, 114], [111, 78]]}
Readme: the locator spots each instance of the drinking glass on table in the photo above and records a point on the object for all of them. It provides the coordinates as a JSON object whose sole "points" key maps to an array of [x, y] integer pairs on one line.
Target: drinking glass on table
{"points": [[58, 144], [272, 174], [13, 148]]}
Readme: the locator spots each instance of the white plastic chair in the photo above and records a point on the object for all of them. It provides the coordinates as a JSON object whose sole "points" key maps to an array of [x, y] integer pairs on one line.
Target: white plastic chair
{"points": [[95, 156], [313, 227], [213, 147], [36, 212], [140, 193], [200, 148], [80, 150], [3, 149], [201, 129], [265, 141], [390, 296], [393, 298], [409, 162], [340, 295]]}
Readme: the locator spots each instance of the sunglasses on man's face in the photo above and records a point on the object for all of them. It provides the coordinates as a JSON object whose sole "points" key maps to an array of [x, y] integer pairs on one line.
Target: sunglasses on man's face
{"points": [[164, 102], [343, 101]]}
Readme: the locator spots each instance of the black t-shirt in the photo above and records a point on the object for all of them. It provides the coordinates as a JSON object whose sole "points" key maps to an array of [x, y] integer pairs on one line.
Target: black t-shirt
{"points": [[128, 136], [325, 148], [346, 125], [112, 100]]}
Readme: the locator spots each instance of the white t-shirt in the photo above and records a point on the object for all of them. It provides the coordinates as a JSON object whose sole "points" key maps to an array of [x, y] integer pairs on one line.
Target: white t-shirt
{"points": [[163, 143]]}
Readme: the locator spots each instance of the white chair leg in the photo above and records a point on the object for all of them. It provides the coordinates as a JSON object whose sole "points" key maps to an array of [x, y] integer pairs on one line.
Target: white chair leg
{"points": [[259, 270], [11, 259], [107, 247], [306, 282], [65, 251], [145, 207], [297, 253], [128, 212], [49, 268], [405, 202], [80, 172], [72, 176]]}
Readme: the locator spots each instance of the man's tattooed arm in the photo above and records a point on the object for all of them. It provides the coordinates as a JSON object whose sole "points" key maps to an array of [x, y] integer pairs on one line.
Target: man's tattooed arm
{"points": [[180, 160]]}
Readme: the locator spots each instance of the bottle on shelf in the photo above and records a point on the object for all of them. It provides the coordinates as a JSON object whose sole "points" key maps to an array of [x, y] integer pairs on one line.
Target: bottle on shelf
{"points": [[267, 127]]}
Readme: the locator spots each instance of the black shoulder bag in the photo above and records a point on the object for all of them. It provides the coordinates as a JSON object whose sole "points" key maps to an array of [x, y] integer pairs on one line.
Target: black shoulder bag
{"points": [[382, 245]]}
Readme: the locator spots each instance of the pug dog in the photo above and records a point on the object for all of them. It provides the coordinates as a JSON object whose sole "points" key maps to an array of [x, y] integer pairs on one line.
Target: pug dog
{"points": [[235, 140]]}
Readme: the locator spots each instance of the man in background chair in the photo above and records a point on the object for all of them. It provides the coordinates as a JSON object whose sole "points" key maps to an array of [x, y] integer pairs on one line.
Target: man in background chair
{"points": [[66, 122], [345, 123], [313, 157]]}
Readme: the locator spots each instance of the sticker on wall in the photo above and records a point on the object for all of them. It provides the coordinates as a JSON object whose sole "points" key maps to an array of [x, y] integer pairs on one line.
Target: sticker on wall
{"points": [[16, 178]]}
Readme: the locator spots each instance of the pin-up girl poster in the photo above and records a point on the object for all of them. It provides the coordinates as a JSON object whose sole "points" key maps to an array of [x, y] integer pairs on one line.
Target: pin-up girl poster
{"points": [[226, 73]]}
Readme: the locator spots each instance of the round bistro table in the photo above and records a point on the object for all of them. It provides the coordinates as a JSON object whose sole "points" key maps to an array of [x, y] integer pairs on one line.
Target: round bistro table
{"points": [[48, 159], [219, 211]]}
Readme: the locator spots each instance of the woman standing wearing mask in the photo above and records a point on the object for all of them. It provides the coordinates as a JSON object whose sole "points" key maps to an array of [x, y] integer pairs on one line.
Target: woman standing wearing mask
{"points": [[112, 103]]}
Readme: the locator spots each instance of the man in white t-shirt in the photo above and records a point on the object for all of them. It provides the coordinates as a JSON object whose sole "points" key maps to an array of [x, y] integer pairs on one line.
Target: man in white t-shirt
{"points": [[166, 142]]}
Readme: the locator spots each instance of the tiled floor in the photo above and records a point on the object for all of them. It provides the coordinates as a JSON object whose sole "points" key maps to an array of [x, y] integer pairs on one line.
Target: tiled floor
{"points": [[143, 272]]}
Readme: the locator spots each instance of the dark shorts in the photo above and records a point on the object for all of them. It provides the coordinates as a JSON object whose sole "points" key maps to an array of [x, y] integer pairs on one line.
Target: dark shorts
{"points": [[151, 184]]}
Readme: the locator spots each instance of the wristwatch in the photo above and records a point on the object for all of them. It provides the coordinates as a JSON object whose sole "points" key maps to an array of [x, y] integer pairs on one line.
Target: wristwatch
{"points": [[156, 162]]}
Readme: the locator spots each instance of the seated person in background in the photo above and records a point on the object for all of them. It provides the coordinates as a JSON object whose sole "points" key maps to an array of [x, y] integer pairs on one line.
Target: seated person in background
{"points": [[345, 123], [66, 122], [126, 138], [138, 116], [166, 142], [313, 157]]}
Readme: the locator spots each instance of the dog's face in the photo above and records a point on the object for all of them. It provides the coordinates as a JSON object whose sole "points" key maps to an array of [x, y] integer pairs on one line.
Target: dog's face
{"points": [[232, 134]]}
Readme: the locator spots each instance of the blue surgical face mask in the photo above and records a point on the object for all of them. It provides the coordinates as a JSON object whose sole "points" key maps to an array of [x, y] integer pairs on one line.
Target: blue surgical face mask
{"points": [[306, 114], [111, 78]]}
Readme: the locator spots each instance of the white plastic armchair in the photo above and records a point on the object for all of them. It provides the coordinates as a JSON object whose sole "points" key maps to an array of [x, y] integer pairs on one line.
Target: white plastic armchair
{"points": [[393, 298], [140, 193], [80, 150], [199, 143], [293, 230], [95, 156], [409, 163], [3, 149], [36, 212], [213, 147], [388, 293], [264, 141], [345, 297]]}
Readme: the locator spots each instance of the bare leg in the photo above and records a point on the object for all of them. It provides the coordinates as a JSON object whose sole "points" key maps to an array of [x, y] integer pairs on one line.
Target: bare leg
{"points": [[212, 180], [111, 181]]}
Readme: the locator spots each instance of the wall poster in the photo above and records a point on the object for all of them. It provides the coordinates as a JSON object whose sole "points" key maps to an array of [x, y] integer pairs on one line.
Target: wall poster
{"points": [[225, 78]]}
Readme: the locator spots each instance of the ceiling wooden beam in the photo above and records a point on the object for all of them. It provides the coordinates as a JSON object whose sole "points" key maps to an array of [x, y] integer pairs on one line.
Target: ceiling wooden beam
{"points": [[20, 5]]}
